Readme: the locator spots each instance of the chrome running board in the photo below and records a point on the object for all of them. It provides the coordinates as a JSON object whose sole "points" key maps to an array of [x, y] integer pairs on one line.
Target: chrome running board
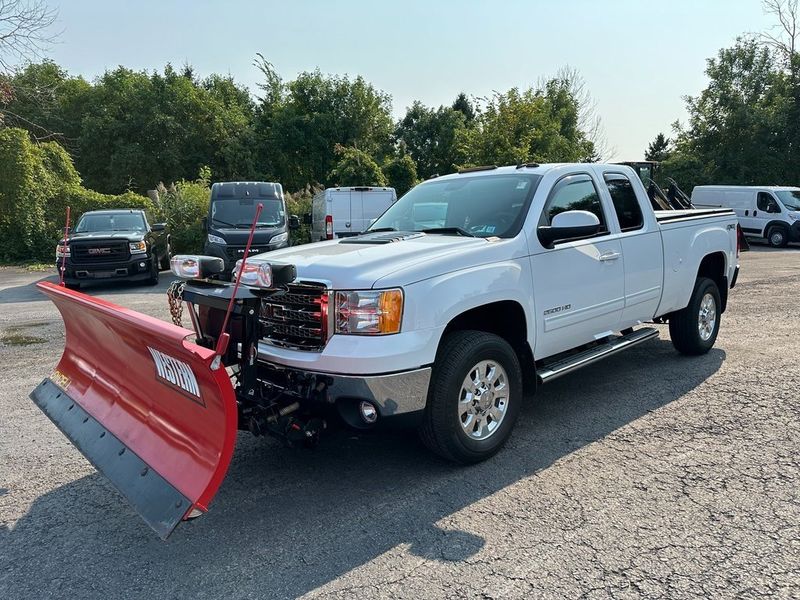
{"points": [[554, 370]]}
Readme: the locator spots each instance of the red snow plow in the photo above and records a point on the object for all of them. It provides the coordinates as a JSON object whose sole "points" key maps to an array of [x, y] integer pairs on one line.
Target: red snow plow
{"points": [[154, 412]]}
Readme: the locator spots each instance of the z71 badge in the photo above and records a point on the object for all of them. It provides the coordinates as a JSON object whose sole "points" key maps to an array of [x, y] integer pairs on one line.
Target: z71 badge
{"points": [[176, 374]]}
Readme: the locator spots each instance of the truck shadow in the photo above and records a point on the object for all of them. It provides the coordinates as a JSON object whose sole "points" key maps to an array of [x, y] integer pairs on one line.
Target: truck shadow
{"points": [[289, 521]]}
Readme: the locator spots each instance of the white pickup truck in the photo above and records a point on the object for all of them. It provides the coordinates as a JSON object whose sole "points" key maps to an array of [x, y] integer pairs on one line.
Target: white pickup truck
{"points": [[467, 290]]}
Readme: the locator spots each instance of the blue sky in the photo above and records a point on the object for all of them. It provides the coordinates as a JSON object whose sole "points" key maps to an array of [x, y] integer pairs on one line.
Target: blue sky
{"points": [[638, 58]]}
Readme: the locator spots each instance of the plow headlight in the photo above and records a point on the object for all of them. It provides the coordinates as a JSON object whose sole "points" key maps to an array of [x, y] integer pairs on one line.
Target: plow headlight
{"points": [[369, 312], [262, 274], [194, 266]]}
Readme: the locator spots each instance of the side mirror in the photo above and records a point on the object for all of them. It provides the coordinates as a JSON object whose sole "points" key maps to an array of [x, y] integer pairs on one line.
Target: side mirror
{"points": [[307, 219], [294, 222], [569, 225], [205, 224], [158, 226], [66, 230], [773, 208]]}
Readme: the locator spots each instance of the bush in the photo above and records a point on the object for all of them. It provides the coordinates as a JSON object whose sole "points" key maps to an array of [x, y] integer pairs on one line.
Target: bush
{"points": [[184, 205], [299, 204], [37, 183]]}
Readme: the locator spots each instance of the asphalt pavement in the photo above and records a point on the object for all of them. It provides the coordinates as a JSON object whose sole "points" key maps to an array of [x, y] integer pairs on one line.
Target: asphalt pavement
{"points": [[648, 475]]}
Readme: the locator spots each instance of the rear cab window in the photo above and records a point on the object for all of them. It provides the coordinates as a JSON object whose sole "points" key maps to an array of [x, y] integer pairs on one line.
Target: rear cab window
{"points": [[626, 204]]}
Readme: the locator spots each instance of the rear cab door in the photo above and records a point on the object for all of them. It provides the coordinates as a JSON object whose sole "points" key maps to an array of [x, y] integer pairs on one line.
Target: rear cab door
{"points": [[642, 247], [578, 285]]}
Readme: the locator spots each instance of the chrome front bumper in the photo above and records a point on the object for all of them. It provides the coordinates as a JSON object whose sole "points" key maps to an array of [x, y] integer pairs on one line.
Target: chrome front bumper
{"points": [[393, 393]]}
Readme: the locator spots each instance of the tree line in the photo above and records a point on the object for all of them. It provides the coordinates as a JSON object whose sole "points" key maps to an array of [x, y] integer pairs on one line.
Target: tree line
{"points": [[129, 130], [744, 127]]}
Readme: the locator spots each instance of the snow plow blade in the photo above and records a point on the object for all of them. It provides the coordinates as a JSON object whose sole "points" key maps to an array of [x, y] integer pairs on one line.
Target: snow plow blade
{"points": [[149, 409]]}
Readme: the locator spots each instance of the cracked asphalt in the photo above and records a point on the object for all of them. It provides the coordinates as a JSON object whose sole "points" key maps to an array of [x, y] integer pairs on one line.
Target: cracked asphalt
{"points": [[647, 475]]}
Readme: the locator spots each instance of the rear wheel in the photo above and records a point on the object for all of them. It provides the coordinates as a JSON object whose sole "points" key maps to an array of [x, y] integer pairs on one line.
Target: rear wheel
{"points": [[475, 397], [778, 237], [694, 329]]}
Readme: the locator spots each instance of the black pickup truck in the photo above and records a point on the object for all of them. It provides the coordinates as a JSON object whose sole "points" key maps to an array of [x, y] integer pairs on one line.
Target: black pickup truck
{"points": [[114, 245]]}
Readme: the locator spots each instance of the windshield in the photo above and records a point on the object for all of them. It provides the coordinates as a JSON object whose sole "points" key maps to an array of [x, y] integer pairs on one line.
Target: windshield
{"points": [[239, 212], [111, 222], [790, 199], [483, 206]]}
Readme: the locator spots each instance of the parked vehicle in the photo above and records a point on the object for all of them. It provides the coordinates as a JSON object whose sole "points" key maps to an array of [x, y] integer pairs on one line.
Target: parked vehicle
{"points": [[113, 244], [768, 212], [230, 212], [347, 211], [470, 288]]}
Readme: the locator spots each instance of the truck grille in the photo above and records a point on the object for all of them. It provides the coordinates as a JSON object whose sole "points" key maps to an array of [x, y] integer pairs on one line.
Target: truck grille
{"points": [[296, 317], [237, 252], [98, 252]]}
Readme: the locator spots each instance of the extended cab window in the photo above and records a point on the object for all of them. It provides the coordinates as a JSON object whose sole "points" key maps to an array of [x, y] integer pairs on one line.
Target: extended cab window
{"points": [[575, 192], [767, 203], [626, 205]]}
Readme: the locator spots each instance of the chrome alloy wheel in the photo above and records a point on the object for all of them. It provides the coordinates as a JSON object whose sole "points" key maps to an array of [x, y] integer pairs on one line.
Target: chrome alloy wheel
{"points": [[483, 400], [707, 317]]}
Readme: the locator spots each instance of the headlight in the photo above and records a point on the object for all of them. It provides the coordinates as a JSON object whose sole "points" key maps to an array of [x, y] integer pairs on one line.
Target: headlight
{"points": [[194, 266], [138, 247], [368, 312], [215, 239], [258, 274], [279, 239], [62, 251]]}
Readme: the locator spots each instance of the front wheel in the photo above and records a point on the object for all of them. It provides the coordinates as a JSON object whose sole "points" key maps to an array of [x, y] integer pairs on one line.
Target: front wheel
{"points": [[474, 399], [694, 329]]}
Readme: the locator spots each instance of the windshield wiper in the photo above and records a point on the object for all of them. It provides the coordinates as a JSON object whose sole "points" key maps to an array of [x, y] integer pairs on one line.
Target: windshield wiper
{"points": [[222, 223], [457, 230]]}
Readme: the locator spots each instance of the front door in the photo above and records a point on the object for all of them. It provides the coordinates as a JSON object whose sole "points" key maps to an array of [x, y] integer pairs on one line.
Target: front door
{"points": [[578, 286]]}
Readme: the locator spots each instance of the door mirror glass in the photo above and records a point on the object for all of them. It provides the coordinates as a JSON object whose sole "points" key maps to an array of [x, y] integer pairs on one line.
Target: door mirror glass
{"points": [[307, 219], [569, 225], [159, 226], [294, 222]]}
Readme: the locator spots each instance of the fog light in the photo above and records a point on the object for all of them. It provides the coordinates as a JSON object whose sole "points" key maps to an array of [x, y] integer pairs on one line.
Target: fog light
{"points": [[142, 265], [368, 412]]}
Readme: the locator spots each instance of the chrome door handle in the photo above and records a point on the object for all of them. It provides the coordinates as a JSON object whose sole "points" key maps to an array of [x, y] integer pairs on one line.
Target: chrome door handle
{"points": [[610, 256]]}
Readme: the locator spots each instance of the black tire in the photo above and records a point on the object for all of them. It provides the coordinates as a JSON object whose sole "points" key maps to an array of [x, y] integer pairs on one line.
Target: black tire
{"points": [[153, 280], [442, 429], [684, 325], [164, 264], [778, 237], [72, 286]]}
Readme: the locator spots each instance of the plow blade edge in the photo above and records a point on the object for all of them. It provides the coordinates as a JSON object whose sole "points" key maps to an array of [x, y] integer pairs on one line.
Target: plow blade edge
{"points": [[147, 407]]}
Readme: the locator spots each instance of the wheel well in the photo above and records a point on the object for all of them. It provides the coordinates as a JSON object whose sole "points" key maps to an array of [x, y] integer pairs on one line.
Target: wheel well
{"points": [[713, 267], [507, 320]]}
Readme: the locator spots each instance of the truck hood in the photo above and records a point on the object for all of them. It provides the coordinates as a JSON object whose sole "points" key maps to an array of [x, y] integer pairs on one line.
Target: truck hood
{"points": [[343, 264], [131, 236]]}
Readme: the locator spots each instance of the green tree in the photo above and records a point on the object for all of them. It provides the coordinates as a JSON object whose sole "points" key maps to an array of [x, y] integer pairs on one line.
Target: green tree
{"points": [[537, 124], [659, 149], [401, 172], [300, 123], [737, 127], [430, 137], [355, 167]]}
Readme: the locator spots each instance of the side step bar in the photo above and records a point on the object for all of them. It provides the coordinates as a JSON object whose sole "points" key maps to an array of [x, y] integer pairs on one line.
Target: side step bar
{"points": [[571, 363]]}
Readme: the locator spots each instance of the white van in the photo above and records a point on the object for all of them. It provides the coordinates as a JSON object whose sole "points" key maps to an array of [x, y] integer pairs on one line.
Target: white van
{"points": [[347, 211], [770, 212]]}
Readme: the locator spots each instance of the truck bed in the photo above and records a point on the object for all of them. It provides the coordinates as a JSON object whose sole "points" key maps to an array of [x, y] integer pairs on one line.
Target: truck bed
{"points": [[671, 216]]}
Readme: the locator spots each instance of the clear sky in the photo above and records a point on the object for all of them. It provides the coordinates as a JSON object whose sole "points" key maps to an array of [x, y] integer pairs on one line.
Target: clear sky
{"points": [[639, 58]]}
